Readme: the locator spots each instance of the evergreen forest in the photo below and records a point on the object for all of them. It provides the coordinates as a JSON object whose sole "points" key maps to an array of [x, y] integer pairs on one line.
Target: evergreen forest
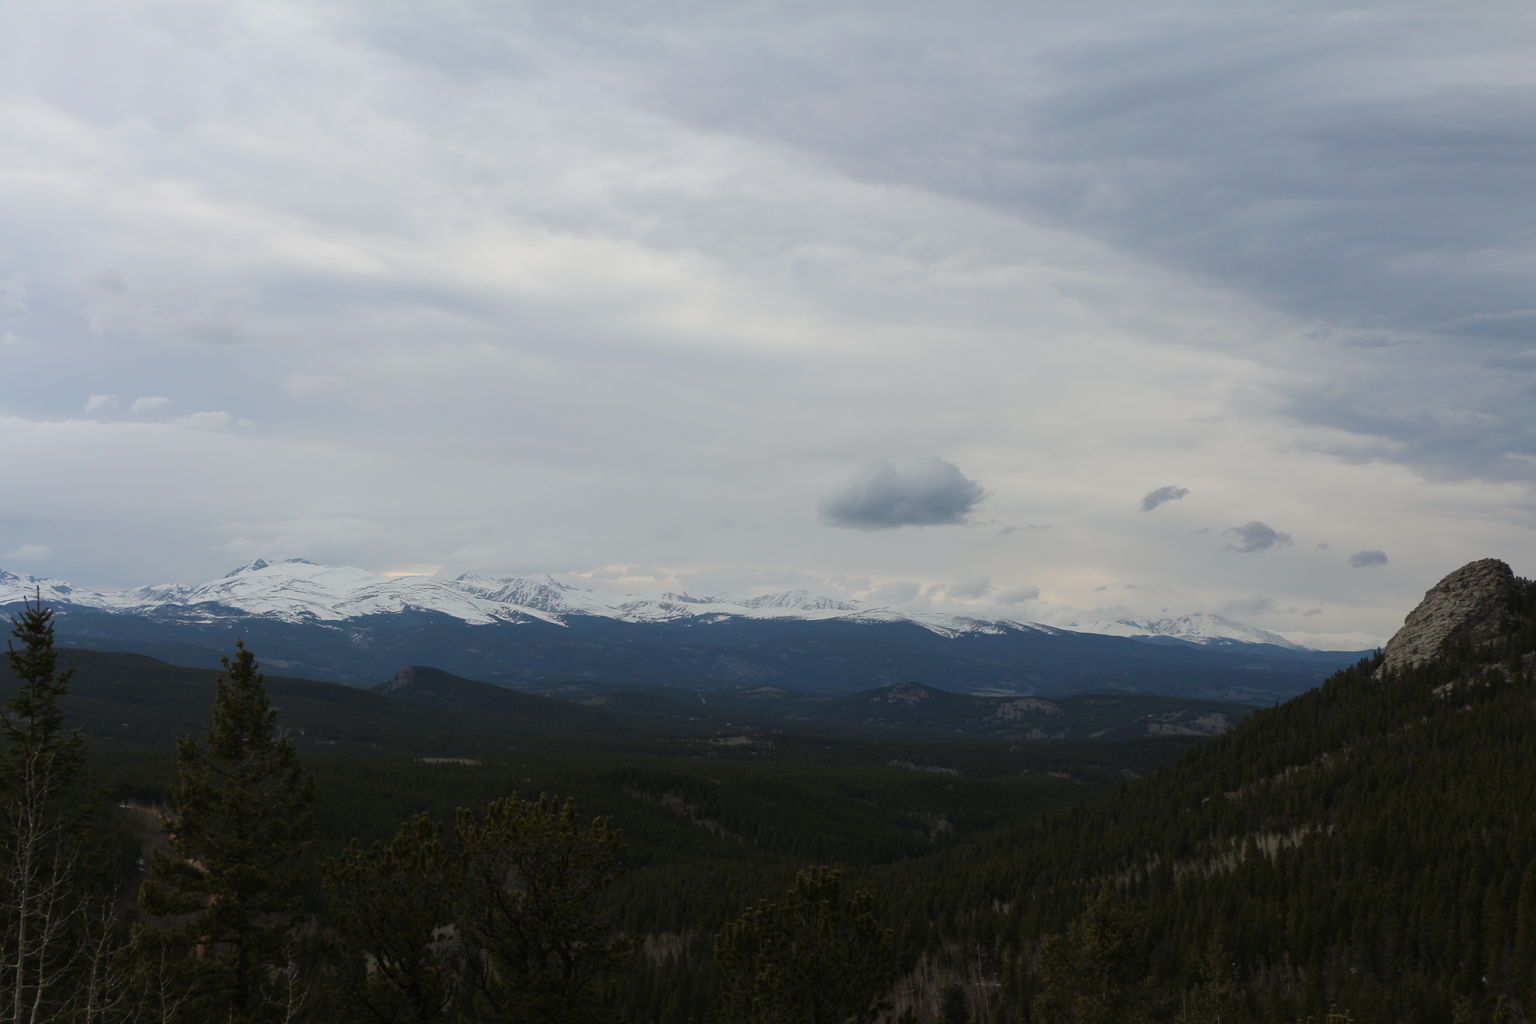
{"points": [[1363, 852]]}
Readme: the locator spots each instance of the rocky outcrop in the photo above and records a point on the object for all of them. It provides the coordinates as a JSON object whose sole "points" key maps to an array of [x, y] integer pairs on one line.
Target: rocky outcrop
{"points": [[1472, 604], [403, 681]]}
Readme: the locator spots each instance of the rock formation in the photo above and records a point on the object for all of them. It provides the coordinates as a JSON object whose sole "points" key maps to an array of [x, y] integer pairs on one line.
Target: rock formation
{"points": [[1474, 604]]}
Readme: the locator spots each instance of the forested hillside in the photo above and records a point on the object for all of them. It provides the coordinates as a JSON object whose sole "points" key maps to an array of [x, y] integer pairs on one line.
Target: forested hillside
{"points": [[1370, 844], [1367, 847]]}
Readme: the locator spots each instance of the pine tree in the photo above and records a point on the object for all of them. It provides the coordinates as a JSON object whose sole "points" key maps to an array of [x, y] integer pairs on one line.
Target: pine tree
{"points": [[392, 906], [1085, 974], [815, 956], [1216, 999], [42, 897], [240, 827], [531, 910]]}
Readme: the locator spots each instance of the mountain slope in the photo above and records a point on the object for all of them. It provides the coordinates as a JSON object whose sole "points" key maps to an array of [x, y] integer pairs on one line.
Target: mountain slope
{"points": [[919, 710], [1368, 844], [827, 657], [429, 687]]}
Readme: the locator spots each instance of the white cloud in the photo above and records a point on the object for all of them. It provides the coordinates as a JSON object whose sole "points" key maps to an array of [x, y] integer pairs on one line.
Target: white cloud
{"points": [[148, 404], [102, 403], [215, 419], [29, 553]]}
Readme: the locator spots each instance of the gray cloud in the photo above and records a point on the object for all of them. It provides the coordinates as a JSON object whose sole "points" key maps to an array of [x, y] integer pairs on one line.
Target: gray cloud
{"points": [[1018, 595], [1367, 559], [897, 592], [1254, 536], [572, 338], [971, 588], [930, 492], [647, 572], [1162, 495], [733, 581], [1257, 605], [1378, 201]]}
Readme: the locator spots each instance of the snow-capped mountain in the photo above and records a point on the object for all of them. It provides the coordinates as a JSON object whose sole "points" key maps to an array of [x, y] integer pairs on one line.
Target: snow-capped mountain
{"points": [[800, 600], [297, 590], [351, 625], [1203, 628], [15, 588]]}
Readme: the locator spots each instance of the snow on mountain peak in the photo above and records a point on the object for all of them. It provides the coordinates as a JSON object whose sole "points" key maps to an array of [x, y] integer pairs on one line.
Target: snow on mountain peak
{"points": [[1200, 628], [299, 590], [800, 600], [18, 587], [543, 593]]}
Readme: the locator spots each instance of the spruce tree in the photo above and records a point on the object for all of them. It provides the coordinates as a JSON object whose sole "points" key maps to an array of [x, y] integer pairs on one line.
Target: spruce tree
{"points": [[239, 831], [43, 898]]}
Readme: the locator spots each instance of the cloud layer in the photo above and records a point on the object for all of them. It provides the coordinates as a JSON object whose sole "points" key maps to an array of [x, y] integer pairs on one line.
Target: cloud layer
{"points": [[533, 288]]}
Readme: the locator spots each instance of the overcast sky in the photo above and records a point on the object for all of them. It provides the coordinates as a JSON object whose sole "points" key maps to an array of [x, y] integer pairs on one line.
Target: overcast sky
{"points": [[1129, 309]]}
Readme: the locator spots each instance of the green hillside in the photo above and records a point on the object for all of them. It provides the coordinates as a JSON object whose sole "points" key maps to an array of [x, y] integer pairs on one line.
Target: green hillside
{"points": [[1370, 844]]}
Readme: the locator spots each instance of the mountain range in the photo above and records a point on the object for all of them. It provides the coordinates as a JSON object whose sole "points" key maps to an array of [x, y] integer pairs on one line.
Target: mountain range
{"points": [[298, 590], [358, 627]]}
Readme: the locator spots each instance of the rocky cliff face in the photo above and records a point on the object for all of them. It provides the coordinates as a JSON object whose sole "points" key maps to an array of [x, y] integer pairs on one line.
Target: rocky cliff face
{"points": [[1474, 603]]}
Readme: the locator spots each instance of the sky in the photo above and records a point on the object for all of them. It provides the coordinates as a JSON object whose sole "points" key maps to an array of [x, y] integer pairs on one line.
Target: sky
{"points": [[1009, 309]]}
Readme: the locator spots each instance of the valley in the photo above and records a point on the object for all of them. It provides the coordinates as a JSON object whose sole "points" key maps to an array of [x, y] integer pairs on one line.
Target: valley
{"points": [[1360, 845]]}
